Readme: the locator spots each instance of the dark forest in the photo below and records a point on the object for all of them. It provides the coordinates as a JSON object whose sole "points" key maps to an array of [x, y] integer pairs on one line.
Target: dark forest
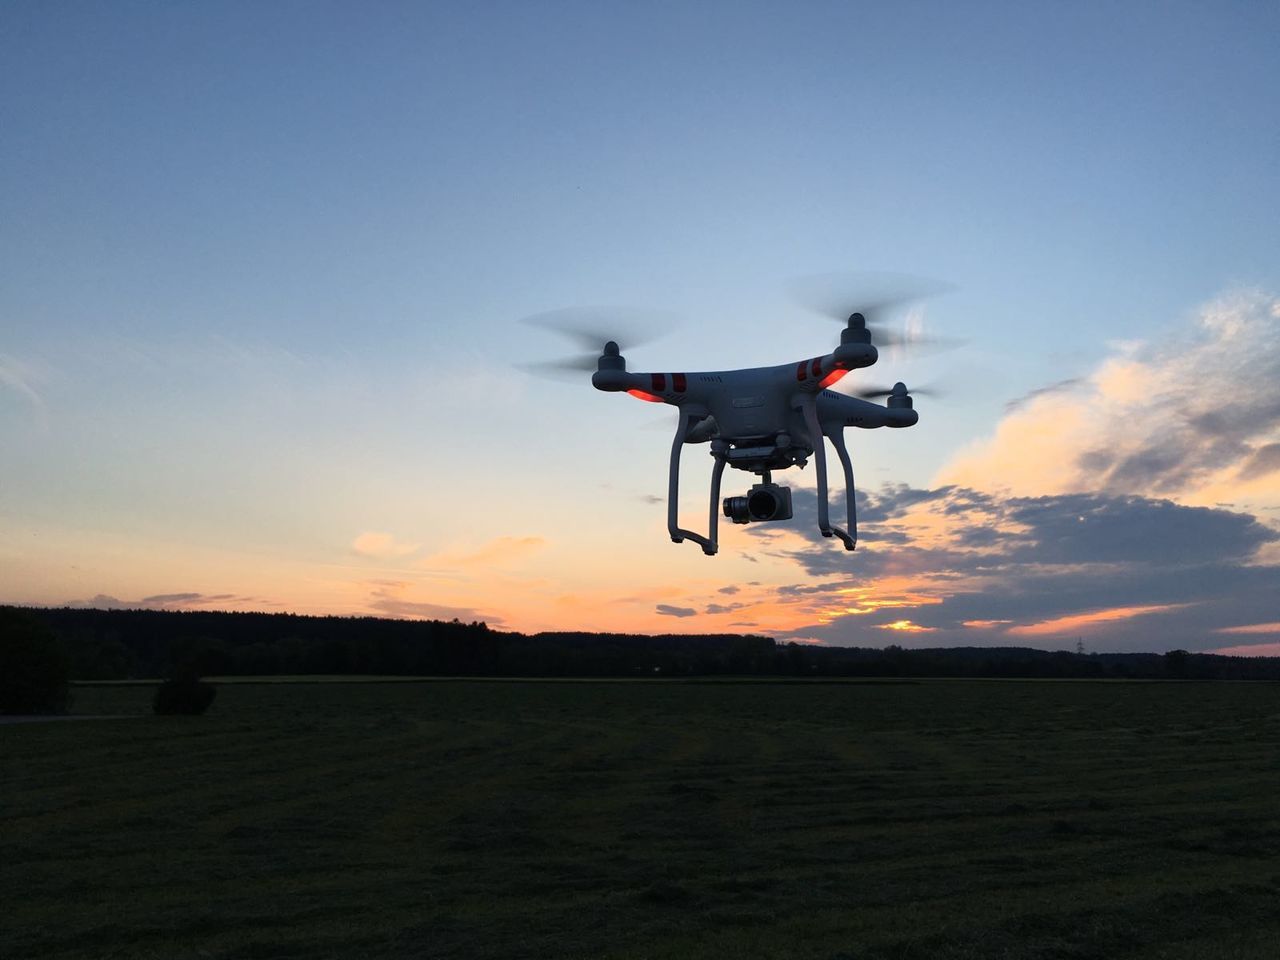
{"points": [[137, 644]]}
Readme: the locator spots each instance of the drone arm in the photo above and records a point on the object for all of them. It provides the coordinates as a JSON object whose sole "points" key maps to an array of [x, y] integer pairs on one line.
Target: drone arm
{"points": [[809, 407], [814, 376], [677, 533]]}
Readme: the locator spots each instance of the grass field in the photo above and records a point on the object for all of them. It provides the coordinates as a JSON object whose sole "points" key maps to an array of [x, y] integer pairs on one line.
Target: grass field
{"points": [[650, 820]]}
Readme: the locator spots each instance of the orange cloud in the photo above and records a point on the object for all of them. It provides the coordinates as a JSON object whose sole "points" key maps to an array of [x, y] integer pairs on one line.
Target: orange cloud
{"points": [[1252, 628], [393, 598], [985, 624], [1249, 650], [500, 550], [382, 546], [1083, 621], [1142, 423], [862, 601], [905, 626], [1033, 449]]}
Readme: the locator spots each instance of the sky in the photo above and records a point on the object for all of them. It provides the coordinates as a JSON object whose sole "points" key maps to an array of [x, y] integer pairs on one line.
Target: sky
{"points": [[265, 267]]}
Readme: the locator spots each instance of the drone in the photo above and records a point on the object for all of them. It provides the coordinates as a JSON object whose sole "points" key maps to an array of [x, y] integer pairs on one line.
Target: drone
{"points": [[763, 420]]}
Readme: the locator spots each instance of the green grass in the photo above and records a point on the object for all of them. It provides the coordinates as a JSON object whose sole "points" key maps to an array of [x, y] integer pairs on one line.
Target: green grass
{"points": [[650, 820]]}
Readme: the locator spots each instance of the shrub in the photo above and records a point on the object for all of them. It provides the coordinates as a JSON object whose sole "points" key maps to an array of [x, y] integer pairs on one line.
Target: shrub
{"points": [[33, 668], [184, 696]]}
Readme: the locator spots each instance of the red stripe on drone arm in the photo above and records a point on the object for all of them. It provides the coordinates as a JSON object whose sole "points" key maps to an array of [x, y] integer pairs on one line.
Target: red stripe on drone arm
{"points": [[801, 370], [658, 381], [832, 377], [641, 395], [679, 382], [817, 366]]}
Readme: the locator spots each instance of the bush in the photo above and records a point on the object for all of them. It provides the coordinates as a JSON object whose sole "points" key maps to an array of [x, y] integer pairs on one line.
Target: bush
{"points": [[187, 697], [33, 668]]}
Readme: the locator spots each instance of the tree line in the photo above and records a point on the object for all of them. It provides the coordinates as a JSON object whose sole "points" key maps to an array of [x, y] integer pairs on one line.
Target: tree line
{"points": [[133, 644]]}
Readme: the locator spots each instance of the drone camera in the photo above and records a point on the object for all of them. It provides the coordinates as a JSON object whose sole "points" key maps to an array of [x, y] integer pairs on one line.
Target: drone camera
{"points": [[764, 501]]}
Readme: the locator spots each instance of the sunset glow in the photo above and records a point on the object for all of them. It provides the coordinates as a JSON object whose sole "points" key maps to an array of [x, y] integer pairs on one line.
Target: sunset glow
{"points": [[905, 626], [275, 356], [1259, 628], [1085, 621], [860, 601], [1250, 650]]}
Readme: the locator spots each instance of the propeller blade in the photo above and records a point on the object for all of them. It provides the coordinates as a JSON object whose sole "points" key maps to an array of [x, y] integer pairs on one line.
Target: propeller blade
{"points": [[591, 327], [908, 338], [874, 295], [563, 368], [872, 393], [886, 300]]}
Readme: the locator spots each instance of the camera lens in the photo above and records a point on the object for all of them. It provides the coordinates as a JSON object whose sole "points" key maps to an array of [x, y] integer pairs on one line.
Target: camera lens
{"points": [[762, 505], [736, 509]]}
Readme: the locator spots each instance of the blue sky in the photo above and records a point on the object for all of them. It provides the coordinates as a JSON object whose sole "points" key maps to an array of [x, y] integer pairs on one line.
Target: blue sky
{"points": [[265, 263]]}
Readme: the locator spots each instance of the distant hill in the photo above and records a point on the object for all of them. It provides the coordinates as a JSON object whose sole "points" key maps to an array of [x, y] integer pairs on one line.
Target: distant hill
{"points": [[123, 644]]}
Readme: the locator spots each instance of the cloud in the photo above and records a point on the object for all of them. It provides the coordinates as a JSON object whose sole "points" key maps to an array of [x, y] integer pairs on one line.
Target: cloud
{"points": [[388, 599], [1096, 528], [21, 378], [186, 600], [1193, 416], [1136, 505], [1073, 623], [1265, 460], [495, 552], [1060, 387], [977, 567], [421, 610], [714, 608], [905, 626], [382, 546], [1264, 628], [731, 589], [829, 586], [1249, 650], [104, 601], [667, 610]]}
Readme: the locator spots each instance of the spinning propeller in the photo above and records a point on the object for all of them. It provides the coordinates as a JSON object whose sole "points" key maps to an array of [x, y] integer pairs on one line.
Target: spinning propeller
{"points": [[886, 304], [899, 389], [594, 328]]}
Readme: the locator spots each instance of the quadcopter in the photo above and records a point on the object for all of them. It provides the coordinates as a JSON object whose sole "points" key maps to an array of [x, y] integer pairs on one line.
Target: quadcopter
{"points": [[761, 420]]}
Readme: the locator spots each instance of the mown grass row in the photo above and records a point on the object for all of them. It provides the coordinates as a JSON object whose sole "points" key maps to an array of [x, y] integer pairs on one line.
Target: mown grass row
{"points": [[947, 819]]}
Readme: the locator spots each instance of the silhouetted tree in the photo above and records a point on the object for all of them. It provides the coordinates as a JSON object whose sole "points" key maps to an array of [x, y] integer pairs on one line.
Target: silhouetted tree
{"points": [[117, 644], [1175, 663], [33, 668]]}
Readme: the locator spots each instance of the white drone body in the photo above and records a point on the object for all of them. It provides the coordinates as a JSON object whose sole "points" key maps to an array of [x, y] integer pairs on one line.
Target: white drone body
{"points": [[765, 419]]}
